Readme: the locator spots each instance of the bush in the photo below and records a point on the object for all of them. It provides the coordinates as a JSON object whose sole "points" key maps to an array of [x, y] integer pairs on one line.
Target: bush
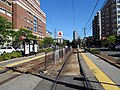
{"points": [[14, 55], [1, 58], [42, 50], [95, 51], [49, 49], [7, 56], [45, 50]]}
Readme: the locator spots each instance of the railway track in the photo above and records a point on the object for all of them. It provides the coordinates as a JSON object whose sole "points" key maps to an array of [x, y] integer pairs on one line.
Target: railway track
{"points": [[69, 76], [59, 82]]}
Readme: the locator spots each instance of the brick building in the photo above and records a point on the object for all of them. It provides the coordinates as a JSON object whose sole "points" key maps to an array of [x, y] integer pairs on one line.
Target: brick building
{"points": [[6, 9], [25, 14]]}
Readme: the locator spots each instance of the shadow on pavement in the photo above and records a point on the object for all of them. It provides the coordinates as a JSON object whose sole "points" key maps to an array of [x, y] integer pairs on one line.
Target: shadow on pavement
{"points": [[81, 79]]}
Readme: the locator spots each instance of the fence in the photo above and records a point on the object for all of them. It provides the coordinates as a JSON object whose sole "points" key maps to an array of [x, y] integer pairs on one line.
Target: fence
{"points": [[55, 56]]}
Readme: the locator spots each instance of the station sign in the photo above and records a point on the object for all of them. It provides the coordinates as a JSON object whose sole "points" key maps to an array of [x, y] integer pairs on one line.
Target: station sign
{"points": [[60, 34]]}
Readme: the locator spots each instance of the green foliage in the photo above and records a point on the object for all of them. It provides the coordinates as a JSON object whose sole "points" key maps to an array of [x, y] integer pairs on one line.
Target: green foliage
{"points": [[23, 32], [5, 29], [111, 39], [48, 41], [41, 44], [42, 50], [45, 50], [49, 49], [7, 56], [27, 33], [95, 51]]}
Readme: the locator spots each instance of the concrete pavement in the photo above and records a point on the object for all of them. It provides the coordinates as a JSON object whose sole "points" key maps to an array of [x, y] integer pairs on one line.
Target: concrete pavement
{"points": [[104, 72], [101, 74]]}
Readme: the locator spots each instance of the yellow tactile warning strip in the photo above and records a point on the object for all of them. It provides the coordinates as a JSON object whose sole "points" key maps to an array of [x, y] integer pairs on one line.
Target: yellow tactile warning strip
{"points": [[108, 84], [1, 68], [24, 61]]}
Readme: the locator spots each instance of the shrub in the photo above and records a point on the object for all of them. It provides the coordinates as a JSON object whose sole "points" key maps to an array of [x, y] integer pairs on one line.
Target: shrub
{"points": [[49, 49], [1, 58], [42, 50], [95, 51], [7, 56], [14, 55]]}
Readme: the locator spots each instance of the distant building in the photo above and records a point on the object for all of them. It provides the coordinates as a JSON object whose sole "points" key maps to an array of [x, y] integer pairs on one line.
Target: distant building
{"points": [[75, 35], [96, 27], [48, 33], [25, 14]]}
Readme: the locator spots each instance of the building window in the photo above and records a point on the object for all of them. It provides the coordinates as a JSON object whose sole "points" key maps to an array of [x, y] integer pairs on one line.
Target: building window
{"points": [[40, 32], [8, 3], [28, 20], [2, 10], [35, 23], [29, 13], [29, 28], [118, 1], [40, 26], [119, 11], [9, 14], [119, 22], [35, 29], [3, 0]]}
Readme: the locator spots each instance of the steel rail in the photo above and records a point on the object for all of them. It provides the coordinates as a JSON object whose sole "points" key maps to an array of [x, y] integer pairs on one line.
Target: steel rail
{"points": [[58, 75]]}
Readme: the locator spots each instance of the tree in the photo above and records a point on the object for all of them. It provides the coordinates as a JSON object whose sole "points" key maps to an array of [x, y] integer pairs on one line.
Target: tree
{"points": [[48, 41], [5, 29], [111, 39], [22, 32], [74, 43], [41, 44]]}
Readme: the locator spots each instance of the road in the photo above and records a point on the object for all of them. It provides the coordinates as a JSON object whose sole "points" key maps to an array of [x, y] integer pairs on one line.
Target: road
{"points": [[113, 53]]}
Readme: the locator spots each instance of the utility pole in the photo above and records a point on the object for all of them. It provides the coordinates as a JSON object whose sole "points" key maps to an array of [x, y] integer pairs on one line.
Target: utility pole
{"points": [[84, 46], [55, 34], [84, 32]]}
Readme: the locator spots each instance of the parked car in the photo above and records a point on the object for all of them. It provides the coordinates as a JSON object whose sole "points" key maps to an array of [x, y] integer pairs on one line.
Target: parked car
{"points": [[117, 46], [111, 47], [20, 49], [8, 49]]}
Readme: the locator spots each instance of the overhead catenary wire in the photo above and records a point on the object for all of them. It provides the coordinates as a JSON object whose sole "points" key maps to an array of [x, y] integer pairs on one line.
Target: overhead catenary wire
{"points": [[50, 22], [100, 9], [89, 29], [73, 13], [92, 13], [90, 25]]}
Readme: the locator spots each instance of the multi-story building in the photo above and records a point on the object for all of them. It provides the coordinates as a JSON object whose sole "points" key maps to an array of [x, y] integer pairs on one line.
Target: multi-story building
{"points": [[96, 27], [75, 35], [6, 9], [110, 18], [25, 14], [48, 33]]}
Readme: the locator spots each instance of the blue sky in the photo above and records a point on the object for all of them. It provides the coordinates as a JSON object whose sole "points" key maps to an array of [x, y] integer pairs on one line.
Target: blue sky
{"points": [[59, 14]]}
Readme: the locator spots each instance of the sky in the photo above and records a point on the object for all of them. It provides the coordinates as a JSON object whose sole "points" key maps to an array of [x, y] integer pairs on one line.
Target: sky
{"points": [[59, 16]]}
